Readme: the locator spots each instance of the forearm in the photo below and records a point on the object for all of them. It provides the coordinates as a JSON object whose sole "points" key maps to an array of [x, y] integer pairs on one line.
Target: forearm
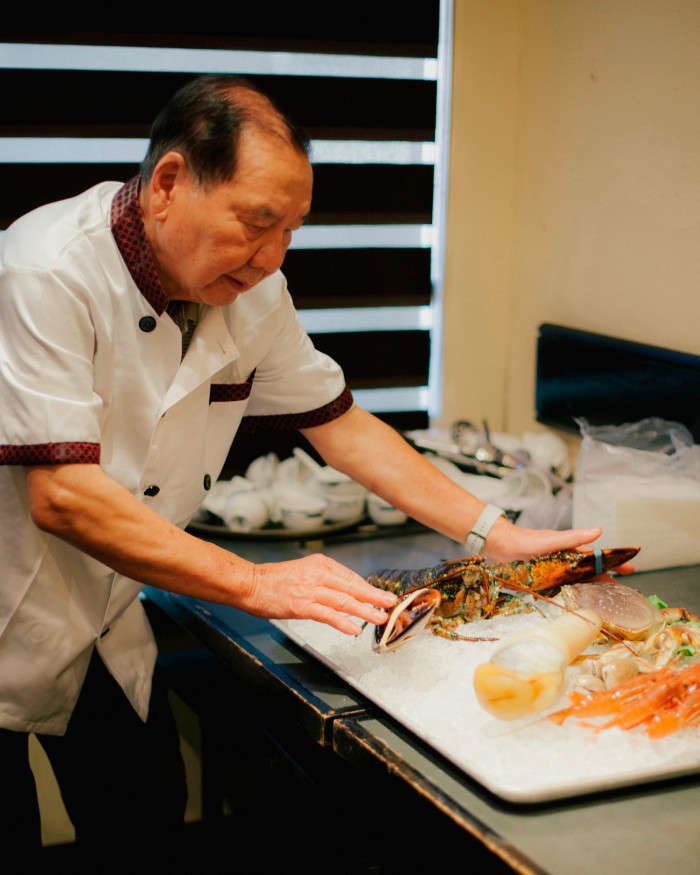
{"points": [[374, 454], [82, 505]]}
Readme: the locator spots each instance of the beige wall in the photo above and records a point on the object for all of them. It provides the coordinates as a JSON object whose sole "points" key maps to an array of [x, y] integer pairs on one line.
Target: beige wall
{"points": [[574, 189]]}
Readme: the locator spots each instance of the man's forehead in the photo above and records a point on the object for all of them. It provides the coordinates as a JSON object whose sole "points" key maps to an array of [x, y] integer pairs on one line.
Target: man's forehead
{"points": [[272, 200], [272, 180]]}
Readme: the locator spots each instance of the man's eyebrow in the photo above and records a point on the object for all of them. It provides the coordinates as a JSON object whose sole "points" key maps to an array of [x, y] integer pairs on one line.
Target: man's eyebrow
{"points": [[263, 213], [267, 213]]}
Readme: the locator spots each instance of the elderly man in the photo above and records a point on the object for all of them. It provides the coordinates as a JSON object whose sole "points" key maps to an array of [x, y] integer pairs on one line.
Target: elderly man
{"points": [[112, 433]]}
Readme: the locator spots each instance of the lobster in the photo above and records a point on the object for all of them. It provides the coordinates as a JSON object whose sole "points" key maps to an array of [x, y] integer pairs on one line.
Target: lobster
{"points": [[457, 591]]}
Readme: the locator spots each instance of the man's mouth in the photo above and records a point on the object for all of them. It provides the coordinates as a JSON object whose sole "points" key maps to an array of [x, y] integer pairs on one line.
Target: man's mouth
{"points": [[240, 285], [237, 284]]}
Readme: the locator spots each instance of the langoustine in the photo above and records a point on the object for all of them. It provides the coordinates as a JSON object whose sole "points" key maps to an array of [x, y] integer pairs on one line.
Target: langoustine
{"points": [[662, 701]]}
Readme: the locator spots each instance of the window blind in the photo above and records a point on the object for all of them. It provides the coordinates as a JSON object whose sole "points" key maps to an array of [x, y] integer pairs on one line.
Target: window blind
{"points": [[368, 86]]}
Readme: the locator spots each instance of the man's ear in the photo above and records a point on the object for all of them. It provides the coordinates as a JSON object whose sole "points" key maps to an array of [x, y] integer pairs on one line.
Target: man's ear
{"points": [[169, 173]]}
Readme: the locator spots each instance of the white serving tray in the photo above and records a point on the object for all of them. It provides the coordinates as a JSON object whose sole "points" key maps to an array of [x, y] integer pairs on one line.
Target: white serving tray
{"points": [[427, 686]]}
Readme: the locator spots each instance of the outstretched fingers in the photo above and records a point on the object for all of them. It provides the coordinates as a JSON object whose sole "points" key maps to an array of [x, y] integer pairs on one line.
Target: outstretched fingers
{"points": [[345, 595], [509, 542], [318, 588]]}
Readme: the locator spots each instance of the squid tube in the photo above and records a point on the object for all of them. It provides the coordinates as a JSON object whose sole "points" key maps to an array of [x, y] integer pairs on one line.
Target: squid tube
{"points": [[527, 672]]}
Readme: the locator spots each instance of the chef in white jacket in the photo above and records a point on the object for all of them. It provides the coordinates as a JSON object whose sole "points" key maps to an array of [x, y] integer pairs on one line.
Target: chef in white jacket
{"points": [[112, 434]]}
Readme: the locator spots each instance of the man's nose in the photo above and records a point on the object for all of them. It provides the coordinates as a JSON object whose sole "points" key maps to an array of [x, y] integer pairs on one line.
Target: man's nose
{"points": [[270, 255]]}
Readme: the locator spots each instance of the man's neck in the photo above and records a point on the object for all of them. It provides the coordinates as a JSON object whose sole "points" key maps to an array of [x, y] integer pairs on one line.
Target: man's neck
{"points": [[182, 312]]}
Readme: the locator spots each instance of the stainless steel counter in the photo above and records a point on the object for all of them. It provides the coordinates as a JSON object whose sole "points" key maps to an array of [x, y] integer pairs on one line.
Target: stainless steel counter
{"points": [[636, 830]]}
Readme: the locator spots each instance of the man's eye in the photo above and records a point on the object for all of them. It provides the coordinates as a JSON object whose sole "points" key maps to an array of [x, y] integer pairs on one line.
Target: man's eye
{"points": [[257, 229]]}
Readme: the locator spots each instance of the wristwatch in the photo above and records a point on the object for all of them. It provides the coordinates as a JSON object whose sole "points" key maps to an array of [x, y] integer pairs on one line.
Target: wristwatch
{"points": [[477, 537]]}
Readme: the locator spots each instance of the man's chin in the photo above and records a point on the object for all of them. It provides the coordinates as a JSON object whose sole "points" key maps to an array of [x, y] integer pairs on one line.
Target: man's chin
{"points": [[221, 293], [222, 299]]}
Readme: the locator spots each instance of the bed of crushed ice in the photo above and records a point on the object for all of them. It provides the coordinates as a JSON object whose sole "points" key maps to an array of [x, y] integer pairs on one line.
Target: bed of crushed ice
{"points": [[427, 685]]}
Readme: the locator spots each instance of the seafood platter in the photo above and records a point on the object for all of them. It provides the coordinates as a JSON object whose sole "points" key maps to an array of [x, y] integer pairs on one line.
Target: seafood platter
{"points": [[540, 680]]}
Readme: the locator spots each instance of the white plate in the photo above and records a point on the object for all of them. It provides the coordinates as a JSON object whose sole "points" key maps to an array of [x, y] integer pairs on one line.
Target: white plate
{"points": [[426, 685]]}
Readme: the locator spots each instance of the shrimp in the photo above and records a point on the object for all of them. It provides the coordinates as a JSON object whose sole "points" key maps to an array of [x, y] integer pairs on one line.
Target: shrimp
{"points": [[685, 713], [667, 700]]}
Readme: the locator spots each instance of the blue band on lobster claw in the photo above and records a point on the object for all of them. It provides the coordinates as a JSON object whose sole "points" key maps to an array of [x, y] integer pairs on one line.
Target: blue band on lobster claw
{"points": [[598, 555]]}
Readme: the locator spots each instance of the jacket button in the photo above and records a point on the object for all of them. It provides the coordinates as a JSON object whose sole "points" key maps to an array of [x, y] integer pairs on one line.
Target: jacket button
{"points": [[207, 481], [37, 632], [147, 323], [151, 490]]}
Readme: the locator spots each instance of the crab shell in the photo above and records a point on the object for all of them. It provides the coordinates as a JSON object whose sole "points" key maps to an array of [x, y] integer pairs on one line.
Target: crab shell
{"points": [[408, 618], [625, 612]]}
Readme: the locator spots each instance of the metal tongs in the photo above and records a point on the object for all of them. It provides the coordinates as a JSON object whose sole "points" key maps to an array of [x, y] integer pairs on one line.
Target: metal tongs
{"points": [[490, 453], [471, 447]]}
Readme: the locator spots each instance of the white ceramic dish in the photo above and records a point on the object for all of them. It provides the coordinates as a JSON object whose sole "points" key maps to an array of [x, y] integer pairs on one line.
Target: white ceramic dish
{"points": [[301, 512], [344, 507], [384, 514], [301, 520], [243, 511]]}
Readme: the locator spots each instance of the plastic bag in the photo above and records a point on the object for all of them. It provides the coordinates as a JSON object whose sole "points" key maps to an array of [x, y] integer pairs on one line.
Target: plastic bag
{"points": [[549, 512], [640, 482]]}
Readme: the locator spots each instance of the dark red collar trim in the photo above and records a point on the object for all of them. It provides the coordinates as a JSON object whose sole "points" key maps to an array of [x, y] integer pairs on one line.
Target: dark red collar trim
{"points": [[129, 234]]}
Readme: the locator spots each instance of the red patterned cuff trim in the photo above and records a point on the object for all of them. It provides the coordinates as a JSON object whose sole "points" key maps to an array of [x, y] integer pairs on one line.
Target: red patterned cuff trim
{"points": [[231, 391], [67, 453], [292, 421]]}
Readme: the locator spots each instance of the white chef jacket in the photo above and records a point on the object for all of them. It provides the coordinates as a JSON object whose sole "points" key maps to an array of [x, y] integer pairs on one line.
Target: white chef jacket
{"points": [[90, 371]]}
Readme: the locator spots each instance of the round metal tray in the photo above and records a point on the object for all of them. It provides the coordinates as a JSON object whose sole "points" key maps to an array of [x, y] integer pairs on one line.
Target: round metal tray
{"points": [[272, 532]]}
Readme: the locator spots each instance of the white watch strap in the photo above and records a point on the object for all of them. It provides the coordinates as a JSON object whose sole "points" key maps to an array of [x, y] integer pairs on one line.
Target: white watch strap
{"points": [[477, 537]]}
